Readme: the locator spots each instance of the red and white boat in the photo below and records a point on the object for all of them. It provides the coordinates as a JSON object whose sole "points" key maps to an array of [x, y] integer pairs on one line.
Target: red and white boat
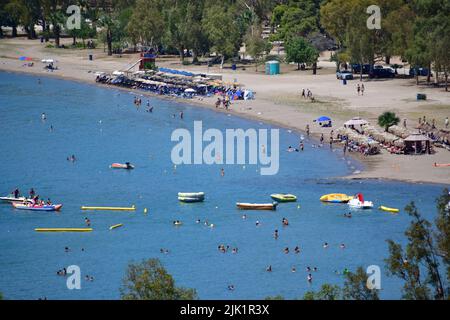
{"points": [[32, 207]]}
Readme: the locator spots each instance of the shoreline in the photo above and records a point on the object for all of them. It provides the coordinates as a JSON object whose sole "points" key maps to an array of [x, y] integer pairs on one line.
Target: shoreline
{"points": [[374, 167]]}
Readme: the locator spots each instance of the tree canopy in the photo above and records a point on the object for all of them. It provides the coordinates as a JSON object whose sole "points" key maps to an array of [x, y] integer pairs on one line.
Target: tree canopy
{"points": [[149, 280]]}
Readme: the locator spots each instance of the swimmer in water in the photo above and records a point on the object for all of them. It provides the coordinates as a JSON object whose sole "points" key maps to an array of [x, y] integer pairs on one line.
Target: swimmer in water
{"points": [[310, 278], [325, 245], [342, 246], [222, 172], [269, 269], [293, 269], [257, 223], [275, 234], [43, 116], [286, 250], [297, 250], [87, 221]]}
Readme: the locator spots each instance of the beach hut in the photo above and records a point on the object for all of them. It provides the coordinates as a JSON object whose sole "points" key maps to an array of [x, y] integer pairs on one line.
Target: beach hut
{"points": [[272, 68], [417, 144]]}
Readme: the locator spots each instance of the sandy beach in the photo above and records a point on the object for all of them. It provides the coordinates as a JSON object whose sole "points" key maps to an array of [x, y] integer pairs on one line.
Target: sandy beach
{"points": [[278, 100]]}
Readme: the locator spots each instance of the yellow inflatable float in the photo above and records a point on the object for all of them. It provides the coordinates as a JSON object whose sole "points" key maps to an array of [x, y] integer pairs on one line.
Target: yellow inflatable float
{"points": [[133, 208], [63, 229], [387, 209], [116, 226], [336, 198]]}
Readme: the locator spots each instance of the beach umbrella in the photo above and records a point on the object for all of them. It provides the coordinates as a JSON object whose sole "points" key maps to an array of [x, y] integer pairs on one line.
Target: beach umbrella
{"points": [[322, 119], [356, 122]]}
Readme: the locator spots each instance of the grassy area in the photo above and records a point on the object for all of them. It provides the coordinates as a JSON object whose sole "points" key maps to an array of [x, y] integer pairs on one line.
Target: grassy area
{"points": [[322, 105]]}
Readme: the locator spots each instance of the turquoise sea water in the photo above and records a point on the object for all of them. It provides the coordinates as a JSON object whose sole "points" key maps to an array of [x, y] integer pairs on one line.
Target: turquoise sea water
{"points": [[101, 126]]}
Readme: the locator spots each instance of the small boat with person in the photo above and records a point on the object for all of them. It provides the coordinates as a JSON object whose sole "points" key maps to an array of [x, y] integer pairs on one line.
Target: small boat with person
{"points": [[358, 202], [280, 197], [35, 207], [257, 206], [336, 198], [126, 166]]}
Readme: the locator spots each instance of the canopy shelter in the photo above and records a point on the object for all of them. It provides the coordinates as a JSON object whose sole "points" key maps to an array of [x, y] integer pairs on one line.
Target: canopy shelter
{"points": [[417, 144], [383, 137], [324, 121], [399, 131], [356, 122], [23, 58], [352, 135]]}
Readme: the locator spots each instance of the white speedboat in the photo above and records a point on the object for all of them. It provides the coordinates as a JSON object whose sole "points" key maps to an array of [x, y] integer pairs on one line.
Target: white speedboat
{"points": [[11, 198], [358, 202]]}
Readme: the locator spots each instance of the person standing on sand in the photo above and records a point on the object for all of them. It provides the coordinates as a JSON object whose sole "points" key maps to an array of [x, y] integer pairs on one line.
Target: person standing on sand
{"points": [[307, 130], [358, 88], [362, 89], [218, 102], [446, 123], [321, 139], [303, 93], [404, 123]]}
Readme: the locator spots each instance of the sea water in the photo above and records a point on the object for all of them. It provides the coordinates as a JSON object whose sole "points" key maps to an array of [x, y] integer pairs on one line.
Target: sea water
{"points": [[101, 126]]}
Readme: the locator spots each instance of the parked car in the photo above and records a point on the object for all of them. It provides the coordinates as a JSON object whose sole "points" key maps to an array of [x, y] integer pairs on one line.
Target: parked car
{"points": [[382, 73], [365, 68], [419, 71], [344, 75]]}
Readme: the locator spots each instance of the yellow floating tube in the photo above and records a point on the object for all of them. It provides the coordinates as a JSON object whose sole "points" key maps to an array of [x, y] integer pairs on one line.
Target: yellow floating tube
{"points": [[116, 226], [133, 208], [63, 230], [393, 210]]}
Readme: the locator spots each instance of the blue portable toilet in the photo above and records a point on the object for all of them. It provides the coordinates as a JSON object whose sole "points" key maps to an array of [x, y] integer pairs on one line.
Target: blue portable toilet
{"points": [[272, 67]]}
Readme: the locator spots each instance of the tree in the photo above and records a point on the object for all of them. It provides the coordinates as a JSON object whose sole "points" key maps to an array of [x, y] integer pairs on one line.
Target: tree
{"points": [[387, 120], [355, 287], [255, 45], [425, 250], [327, 292], [274, 298], [146, 23], [149, 280], [298, 50], [222, 31]]}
